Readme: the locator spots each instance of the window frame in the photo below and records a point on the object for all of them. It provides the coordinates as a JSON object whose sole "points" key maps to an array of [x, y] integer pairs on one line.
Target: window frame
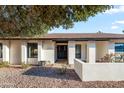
{"points": [[78, 55], [1, 48], [121, 50], [32, 55]]}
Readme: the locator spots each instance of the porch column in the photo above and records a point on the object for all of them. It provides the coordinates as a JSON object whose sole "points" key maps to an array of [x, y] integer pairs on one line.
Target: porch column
{"points": [[71, 52], [91, 52], [52, 52], [40, 51], [6, 51], [49, 51], [83, 51], [111, 48], [24, 52]]}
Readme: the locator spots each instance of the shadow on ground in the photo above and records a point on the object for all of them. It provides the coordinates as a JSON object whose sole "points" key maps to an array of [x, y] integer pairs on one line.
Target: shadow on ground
{"points": [[52, 72]]}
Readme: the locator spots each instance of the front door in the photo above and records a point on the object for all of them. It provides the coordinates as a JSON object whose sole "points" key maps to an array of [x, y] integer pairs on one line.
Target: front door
{"points": [[61, 51]]}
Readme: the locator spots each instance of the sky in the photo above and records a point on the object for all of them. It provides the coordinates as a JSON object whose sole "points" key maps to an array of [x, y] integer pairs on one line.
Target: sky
{"points": [[111, 21]]}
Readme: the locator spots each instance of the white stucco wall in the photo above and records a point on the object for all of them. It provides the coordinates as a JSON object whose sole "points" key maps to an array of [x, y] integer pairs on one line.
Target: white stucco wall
{"points": [[101, 49], [40, 50], [91, 52], [49, 51], [83, 51], [103, 72], [24, 52], [99, 71], [78, 67], [33, 61], [71, 52], [5, 50], [111, 47], [15, 52]]}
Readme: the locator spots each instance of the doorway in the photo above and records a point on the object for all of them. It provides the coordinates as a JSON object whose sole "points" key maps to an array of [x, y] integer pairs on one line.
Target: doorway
{"points": [[62, 52]]}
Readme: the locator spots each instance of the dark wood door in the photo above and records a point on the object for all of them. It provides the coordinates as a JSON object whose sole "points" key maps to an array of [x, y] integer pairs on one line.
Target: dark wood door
{"points": [[61, 51]]}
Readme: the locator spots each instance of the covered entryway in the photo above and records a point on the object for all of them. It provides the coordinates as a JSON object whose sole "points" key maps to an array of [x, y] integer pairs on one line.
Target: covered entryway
{"points": [[61, 52]]}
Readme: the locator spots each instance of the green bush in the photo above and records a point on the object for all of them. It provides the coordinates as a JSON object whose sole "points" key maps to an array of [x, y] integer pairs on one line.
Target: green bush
{"points": [[24, 66], [4, 64]]}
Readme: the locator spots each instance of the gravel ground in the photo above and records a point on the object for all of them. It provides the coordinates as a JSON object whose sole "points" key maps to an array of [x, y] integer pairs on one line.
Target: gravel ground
{"points": [[47, 77]]}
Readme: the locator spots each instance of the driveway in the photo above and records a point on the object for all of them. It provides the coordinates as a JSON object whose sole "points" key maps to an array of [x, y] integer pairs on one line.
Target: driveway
{"points": [[47, 77]]}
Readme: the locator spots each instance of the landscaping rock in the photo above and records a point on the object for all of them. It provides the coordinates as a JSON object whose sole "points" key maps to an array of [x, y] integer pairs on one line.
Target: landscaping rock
{"points": [[46, 77]]}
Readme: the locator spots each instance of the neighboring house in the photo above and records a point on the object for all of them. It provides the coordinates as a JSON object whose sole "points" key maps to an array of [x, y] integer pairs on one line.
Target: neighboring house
{"points": [[88, 47]]}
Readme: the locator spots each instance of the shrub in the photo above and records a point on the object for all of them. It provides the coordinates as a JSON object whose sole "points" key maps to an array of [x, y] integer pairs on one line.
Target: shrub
{"points": [[108, 58], [62, 70], [4, 64], [24, 66], [113, 58]]}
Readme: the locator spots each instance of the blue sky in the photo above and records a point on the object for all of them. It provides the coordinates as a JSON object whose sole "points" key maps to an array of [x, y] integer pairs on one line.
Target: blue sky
{"points": [[112, 21]]}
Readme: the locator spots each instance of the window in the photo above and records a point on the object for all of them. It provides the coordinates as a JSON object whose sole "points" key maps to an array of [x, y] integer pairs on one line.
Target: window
{"points": [[1, 50], [119, 47], [32, 50], [78, 51]]}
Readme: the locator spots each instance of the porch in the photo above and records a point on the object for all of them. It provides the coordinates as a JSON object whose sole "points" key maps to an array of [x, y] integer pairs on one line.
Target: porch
{"points": [[99, 71], [33, 51]]}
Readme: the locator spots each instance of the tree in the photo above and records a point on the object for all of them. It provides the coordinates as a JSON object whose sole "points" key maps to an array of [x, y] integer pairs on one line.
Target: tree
{"points": [[36, 20]]}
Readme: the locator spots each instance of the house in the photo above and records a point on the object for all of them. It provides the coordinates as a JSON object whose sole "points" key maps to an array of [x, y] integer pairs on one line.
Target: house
{"points": [[89, 47]]}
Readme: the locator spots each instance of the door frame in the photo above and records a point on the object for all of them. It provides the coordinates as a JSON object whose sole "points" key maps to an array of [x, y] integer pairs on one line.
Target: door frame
{"points": [[61, 44], [65, 52]]}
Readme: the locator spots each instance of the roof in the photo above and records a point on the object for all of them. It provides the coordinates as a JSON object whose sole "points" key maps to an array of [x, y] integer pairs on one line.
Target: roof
{"points": [[73, 36]]}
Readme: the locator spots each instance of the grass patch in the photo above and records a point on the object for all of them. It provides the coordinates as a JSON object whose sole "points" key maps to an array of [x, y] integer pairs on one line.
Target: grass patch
{"points": [[4, 64], [24, 66]]}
